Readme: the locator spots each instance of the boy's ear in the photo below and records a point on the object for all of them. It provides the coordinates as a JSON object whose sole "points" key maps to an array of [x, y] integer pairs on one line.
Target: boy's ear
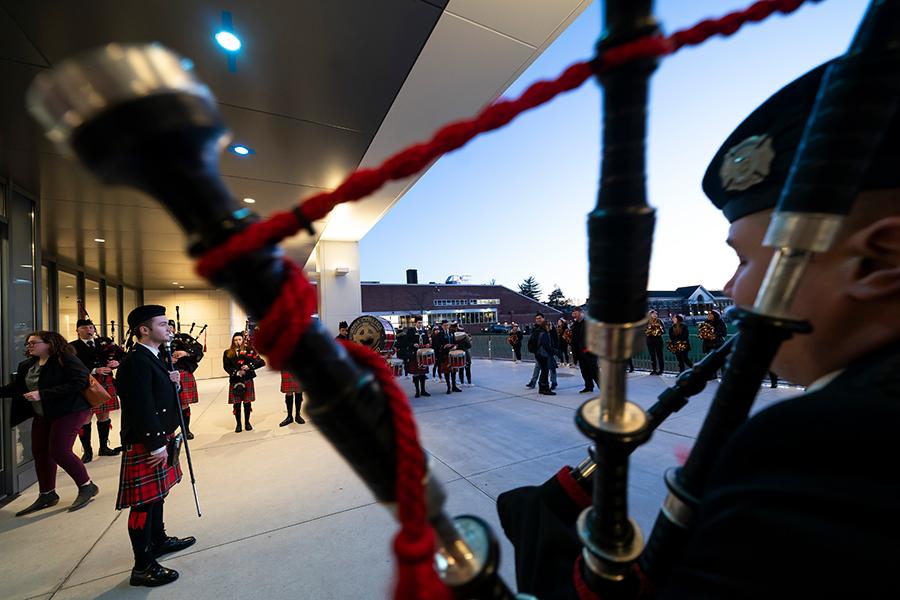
{"points": [[877, 250]]}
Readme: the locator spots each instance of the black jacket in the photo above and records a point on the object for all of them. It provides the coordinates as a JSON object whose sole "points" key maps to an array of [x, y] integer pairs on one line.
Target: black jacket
{"points": [[59, 385], [85, 354], [438, 342], [578, 337], [232, 365], [149, 402], [793, 491], [684, 336]]}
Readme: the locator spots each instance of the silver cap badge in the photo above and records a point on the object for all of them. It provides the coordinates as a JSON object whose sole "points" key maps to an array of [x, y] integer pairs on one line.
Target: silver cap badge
{"points": [[747, 163]]}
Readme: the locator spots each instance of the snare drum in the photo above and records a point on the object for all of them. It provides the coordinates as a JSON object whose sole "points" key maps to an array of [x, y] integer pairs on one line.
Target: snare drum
{"points": [[396, 366], [373, 332], [425, 357], [457, 359]]}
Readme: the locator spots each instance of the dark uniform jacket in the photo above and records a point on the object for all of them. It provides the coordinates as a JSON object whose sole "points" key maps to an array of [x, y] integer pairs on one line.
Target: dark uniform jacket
{"points": [[60, 387], [85, 353], [684, 336], [801, 503], [578, 337], [149, 402], [438, 341]]}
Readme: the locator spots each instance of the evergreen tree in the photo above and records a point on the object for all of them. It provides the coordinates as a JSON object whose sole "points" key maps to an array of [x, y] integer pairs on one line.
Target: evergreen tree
{"points": [[557, 299], [530, 288]]}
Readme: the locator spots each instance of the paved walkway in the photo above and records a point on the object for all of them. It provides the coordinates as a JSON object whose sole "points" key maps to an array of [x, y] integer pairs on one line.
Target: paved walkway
{"points": [[284, 517]]}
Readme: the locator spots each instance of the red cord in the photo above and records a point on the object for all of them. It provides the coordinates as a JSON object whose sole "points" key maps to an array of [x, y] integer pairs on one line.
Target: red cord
{"points": [[289, 317]]}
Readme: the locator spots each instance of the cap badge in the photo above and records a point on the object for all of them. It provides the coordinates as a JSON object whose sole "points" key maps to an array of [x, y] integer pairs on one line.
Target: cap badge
{"points": [[747, 163]]}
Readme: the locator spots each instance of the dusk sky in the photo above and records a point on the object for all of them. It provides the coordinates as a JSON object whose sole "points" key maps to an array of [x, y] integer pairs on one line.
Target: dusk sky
{"points": [[520, 196]]}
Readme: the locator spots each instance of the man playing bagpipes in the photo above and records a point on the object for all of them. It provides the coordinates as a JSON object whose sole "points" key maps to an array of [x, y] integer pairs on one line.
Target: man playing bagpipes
{"points": [[802, 501]]}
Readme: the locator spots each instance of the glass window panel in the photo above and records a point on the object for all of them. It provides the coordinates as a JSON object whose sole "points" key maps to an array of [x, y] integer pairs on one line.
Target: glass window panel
{"points": [[67, 303], [92, 300], [112, 312], [129, 303], [45, 298]]}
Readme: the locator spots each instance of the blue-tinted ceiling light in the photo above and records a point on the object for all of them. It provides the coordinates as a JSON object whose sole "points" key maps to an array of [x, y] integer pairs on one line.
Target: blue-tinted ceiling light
{"points": [[241, 150], [229, 41]]}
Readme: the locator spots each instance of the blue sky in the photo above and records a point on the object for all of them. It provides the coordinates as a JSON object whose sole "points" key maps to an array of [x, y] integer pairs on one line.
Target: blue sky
{"points": [[521, 195]]}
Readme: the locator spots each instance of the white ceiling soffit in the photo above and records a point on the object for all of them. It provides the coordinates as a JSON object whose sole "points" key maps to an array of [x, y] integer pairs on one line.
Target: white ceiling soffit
{"points": [[476, 51]]}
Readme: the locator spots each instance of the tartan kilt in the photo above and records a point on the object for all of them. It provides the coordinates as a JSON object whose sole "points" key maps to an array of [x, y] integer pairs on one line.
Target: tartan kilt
{"points": [[140, 484], [109, 384], [249, 393], [188, 394], [289, 384], [444, 366]]}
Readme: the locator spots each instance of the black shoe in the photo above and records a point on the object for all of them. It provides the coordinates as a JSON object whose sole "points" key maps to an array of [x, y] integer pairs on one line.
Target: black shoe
{"points": [[173, 544], [85, 493], [153, 576], [299, 420], [529, 386], [189, 435], [448, 391], [107, 451], [586, 391], [418, 394], [553, 387], [87, 457], [248, 426], [287, 421], [631, 370], [238, 428], [547, 393], [43, 501], [426, 394], [456, 389]]}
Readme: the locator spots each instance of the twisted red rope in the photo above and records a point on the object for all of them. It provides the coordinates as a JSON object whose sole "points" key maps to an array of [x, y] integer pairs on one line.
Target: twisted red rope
{"points": [[290, 316]]}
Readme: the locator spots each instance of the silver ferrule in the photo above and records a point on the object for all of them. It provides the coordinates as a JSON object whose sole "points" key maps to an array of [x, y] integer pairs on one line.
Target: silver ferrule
{"points": [[812, 232], [782, 280], [795, 237], [584, 469], [615, 341], [80, 88], [459, 557], [609, 565], [678, 511]]}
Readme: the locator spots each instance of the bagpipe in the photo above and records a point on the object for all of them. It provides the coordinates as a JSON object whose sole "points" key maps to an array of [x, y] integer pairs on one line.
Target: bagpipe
{"points": [[155, 127], [186, 342], [107, 350]]}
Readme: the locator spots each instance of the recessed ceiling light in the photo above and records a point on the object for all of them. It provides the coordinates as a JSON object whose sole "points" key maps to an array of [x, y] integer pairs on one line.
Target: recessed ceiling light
{"points": [[174, 283], [241, 150], [25, 266], [249, 200], [68, 286], [96, 288], [101, 240], [181, 286], [228, 41]]}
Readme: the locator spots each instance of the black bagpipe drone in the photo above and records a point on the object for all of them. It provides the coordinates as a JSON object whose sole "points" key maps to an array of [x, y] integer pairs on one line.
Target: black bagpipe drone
{"points": [[164, 135]]}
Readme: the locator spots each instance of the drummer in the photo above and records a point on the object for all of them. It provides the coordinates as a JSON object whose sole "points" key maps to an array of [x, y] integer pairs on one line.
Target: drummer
{"points": [[442, 343], [418, 340]]}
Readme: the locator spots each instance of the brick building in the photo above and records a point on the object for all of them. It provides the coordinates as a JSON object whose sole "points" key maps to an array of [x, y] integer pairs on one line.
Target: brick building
{"points": [[473, 305]]}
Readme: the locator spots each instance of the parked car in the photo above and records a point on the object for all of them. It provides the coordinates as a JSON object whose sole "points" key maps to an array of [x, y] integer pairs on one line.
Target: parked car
{"points": [[496, 328]]}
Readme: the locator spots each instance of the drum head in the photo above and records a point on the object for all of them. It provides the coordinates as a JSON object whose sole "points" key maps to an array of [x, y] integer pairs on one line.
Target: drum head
{"points": [[373, 332]]}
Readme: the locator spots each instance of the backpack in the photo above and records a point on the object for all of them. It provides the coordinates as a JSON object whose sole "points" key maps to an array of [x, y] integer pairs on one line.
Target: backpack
{"points": [[533, 340]]}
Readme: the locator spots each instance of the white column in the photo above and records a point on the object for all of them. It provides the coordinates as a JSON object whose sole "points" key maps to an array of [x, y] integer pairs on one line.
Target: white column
{"points": [[340, 294]]}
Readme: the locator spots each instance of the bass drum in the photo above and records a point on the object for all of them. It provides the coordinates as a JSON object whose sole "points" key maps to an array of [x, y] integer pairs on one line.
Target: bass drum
{"points": [[373, 332]]}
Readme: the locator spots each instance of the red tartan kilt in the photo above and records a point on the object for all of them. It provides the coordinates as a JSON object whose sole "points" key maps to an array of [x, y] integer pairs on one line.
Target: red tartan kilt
{"points": [[249, 393], [289, 385], [444, 366], [138, 483], [109, 384], [188, 394]]}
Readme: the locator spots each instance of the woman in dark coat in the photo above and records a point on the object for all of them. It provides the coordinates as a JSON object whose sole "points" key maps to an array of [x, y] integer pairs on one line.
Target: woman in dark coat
{"points": [[48, 387], [712, 333], [680, 342]]}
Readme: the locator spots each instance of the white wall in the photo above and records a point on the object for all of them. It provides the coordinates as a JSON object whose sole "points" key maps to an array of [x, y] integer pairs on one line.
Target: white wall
{"points": [[212, 307]]}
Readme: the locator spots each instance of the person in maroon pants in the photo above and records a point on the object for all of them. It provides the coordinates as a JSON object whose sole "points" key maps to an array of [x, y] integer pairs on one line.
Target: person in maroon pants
{"points": [[48, 388]]}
